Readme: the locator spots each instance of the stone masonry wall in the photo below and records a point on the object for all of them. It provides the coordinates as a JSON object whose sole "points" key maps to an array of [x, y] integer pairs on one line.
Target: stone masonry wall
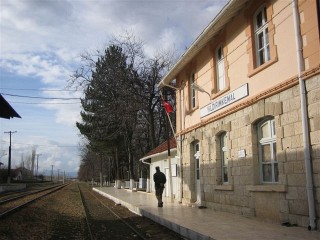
{"points": [[285, 201]]}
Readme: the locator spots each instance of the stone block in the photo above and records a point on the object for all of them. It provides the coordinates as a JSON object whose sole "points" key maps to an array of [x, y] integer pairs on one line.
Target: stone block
{"points": [[292, 193], [313, 83], [315, 137], [297, 128], [278, 109], [281, 167], [287, 94], [315, 123], [274, 98], [300, 154], [281, 156], [286, 106], [284, 119], [293, 116], [315, 151], [316, 166], [284, 206], [314, 96], [297, 141], [291, 154], [314, 110], [288, 130], [295, 103], [235, 171], [288, 167], [298, 167], [299, 207], [302, 193], [286, 143], [296, 180]]}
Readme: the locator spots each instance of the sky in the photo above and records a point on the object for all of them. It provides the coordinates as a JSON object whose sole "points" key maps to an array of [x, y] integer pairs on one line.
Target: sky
{"points": [[40, 46]]}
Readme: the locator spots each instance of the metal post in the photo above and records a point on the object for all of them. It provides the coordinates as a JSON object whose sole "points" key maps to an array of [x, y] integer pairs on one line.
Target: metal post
{"points": [[51, 172], [37, 164], [9, 158]]}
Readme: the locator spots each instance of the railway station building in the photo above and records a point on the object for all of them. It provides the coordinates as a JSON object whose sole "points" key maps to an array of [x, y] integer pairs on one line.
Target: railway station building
{"points": [[248, 112]]}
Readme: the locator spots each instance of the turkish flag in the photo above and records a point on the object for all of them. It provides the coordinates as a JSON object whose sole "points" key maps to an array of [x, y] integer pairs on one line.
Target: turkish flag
{"points": [[167, 106]]}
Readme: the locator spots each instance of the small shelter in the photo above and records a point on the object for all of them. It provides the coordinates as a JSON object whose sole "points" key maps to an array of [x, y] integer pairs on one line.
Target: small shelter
{"points": [[6, 111], [158, 157]]}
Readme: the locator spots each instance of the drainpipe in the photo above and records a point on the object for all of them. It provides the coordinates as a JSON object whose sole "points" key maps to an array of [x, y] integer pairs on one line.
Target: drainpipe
{"points": [[180, 146], [304, 116]]}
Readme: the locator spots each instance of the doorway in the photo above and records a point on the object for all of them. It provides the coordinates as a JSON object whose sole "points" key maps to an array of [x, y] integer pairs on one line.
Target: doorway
{"points": [[196, 150]]}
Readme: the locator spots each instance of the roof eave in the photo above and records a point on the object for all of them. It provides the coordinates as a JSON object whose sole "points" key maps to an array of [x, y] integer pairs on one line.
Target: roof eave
{"points": [[157, 154], [221, 19]]}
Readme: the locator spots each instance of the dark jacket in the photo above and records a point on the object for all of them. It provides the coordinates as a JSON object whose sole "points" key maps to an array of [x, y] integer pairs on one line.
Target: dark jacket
{"points": [[159, 179]]}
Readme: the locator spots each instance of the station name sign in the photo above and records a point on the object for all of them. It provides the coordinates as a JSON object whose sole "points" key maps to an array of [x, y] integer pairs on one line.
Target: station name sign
{"points": [[226, 100]]}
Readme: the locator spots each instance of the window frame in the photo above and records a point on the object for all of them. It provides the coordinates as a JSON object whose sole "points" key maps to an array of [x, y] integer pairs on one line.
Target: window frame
{"points": [[263, 31], [250, 12], [220, 65], [224, 159], [271, 142], [192, 92]]}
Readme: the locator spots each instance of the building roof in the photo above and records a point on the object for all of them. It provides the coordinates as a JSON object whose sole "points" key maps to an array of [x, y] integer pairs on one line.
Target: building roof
{"points": [[163, 147], [6, 111], [230, 10]]}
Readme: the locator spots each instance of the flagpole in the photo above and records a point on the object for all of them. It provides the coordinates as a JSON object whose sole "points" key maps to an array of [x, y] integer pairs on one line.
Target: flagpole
{"points": [[168, 141]]}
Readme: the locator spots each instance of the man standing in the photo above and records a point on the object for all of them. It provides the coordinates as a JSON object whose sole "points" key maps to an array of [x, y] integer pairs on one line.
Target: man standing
{"points": [[159, 180]]}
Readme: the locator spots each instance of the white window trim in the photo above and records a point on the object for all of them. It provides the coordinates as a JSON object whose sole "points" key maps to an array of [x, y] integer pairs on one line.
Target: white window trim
{"points": [[223, 155], [221, 83], [263, 29], [267, 141], [193, 100]]}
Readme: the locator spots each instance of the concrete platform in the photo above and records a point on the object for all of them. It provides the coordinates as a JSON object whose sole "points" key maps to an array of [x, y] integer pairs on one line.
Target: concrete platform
{"points": [[195, 223]]}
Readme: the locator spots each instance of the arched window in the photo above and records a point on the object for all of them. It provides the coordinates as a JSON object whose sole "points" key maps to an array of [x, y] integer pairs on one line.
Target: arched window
{"points": [[267, 151]]}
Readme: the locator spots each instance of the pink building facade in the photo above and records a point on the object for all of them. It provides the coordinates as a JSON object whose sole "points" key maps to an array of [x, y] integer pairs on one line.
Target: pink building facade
{"points": [[248, 112]]}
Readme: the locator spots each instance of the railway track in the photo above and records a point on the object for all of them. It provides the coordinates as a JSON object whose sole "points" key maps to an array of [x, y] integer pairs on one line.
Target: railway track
{"points": [[13, 203], [96, 210], [76, 212]]}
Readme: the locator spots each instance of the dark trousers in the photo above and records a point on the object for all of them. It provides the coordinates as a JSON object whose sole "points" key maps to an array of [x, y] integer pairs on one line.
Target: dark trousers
{"points": [[159, 192]]}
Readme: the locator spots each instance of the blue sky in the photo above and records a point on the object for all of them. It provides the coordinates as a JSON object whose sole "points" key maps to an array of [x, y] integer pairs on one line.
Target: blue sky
{"points": [[40, 45]]}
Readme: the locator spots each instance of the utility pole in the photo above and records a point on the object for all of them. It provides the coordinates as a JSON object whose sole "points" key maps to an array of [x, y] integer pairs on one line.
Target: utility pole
{"points": [[37, 163], [58, 174], [9, 158], [51, 172]]}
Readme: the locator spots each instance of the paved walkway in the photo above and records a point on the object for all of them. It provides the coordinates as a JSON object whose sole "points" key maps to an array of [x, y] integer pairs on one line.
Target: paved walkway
{"points": [[204, 224]]}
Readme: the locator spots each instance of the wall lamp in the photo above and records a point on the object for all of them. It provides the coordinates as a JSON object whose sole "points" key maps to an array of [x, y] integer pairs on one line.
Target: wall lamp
{"points": [[198, 88]]}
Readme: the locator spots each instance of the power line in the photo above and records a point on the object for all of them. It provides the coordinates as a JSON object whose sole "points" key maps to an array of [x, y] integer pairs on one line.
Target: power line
{"points": [[45, 103], [29, 144], [50, 98], [42, 90]]}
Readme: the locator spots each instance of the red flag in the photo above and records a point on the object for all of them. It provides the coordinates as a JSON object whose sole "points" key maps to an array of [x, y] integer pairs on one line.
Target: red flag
{"points": [[167, 106]]}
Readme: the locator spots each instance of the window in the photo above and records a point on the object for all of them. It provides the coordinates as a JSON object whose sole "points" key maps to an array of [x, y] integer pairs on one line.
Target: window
{"points": [[221, 82], [192, 92], [267, 151], [261, 36], [224, 159]]}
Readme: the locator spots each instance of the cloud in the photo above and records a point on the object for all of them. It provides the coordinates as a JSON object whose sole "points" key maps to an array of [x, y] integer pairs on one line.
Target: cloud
{"points": [[44, 66], [41, 41]]}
